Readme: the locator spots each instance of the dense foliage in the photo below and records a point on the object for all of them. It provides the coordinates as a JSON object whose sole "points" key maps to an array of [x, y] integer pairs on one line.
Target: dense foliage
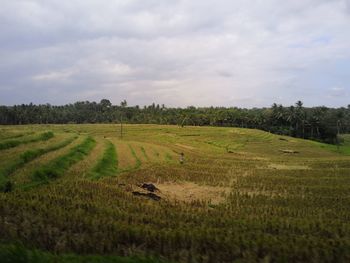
{"points": [[319, 123]]}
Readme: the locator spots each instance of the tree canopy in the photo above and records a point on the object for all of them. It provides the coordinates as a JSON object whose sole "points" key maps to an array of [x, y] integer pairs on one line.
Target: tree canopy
{"points": [[318, 123]]}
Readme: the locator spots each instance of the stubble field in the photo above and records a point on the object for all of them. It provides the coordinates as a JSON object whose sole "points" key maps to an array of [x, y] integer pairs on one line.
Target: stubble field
{"points": [[72, 193]]}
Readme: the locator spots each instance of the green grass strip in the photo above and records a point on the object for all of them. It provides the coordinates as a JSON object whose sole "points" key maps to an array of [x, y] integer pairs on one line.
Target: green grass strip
{"points": [[30, 155], [138, 161], [14, 136], [13, 143], [107, 165], [144, 153], [58, 166]]}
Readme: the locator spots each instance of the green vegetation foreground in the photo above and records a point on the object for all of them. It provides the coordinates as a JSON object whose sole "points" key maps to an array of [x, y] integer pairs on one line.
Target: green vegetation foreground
{"points": [[241, 195]]}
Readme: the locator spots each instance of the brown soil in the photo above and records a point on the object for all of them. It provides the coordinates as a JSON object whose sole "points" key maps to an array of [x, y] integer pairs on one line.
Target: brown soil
{"points": [[288, 167], [188, 192]]}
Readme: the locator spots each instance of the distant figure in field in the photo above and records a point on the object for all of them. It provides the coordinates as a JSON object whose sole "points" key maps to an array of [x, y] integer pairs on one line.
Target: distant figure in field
{"points": [[182, 158]]}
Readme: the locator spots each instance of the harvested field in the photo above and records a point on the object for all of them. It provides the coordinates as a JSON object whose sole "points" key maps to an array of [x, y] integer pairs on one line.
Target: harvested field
{"points": [[234, 195]]}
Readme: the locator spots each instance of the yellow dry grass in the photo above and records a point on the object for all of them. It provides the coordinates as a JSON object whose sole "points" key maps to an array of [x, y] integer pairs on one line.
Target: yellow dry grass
{"points": [[82, 168], [156, 153], [185, 146], [125, 158], [138, 151], [288, 166], [189, 192]]}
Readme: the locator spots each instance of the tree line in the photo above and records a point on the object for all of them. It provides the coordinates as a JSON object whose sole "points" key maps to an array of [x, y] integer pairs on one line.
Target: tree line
{"points": [[317, 123]]}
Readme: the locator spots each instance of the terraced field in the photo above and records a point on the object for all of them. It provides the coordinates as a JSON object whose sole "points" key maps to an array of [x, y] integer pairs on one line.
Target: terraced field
{"points": [[240, 195]]}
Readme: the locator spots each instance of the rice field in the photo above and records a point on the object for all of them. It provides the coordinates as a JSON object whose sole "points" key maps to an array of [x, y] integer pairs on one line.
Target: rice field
{"points": [[240, 195]]}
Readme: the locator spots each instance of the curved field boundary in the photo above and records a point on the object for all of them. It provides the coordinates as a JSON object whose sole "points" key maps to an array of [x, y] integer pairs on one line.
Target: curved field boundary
{"points": [[138, 161], [15, 136], [30, 155], [141, 153], [13, 143], [144, 153], [157, 153], [58, 166], [108, 164], [137, 165], [83, 168], [125, 159]]}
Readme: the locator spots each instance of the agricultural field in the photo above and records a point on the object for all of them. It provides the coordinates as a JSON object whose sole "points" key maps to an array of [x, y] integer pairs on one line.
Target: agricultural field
{"points": [[72, 193]]}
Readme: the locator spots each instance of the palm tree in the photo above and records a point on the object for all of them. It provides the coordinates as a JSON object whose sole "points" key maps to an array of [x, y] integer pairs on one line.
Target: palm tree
{"points": [[291, 118], [300, 116]]}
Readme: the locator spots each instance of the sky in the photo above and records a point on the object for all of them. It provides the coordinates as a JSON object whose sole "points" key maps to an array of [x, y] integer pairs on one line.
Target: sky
{"points": [[244, 53]]}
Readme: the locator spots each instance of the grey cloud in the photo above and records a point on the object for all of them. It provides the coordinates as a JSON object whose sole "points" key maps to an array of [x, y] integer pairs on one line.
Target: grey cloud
{"points": [[172, 52], [336, 92]]}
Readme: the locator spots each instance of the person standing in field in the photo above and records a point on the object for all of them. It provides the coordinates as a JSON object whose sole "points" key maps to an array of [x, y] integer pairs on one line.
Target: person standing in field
{"points": [[182, 157]]}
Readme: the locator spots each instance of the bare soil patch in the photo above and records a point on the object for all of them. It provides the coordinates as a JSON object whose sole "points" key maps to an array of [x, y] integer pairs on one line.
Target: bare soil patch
{"points": [[188, 192], [288, 166]]}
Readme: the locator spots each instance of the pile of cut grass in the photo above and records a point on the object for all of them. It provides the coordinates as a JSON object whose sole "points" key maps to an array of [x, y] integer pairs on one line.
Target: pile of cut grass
{"points": [[107, 165], [58, 166], [13, 143]]}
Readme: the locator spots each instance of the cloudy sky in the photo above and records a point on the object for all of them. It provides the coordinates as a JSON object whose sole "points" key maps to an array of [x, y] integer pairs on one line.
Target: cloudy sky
{"points": [[247, 53]]}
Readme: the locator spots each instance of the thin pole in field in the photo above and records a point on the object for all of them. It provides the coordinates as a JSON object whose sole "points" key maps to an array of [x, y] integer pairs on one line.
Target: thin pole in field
{"points": [[121, 126]]}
